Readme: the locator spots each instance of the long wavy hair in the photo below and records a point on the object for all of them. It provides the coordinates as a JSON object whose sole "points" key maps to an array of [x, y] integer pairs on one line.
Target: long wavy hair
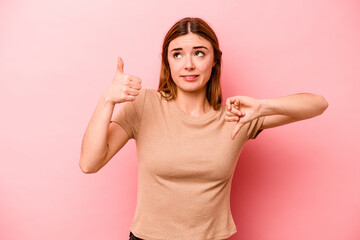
{"points": [[167, 86]]}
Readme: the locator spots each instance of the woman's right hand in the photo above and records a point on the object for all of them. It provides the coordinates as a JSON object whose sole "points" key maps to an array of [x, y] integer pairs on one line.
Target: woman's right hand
{"points": [[123, 88]]}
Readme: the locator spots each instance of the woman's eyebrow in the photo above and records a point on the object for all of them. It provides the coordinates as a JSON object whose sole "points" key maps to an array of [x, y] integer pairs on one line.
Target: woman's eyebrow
{"points": [[176, 49], [196, 47], [200, 47]]}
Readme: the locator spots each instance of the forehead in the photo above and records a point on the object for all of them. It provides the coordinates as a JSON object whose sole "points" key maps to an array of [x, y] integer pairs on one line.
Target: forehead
{"points": [[189, 40]]}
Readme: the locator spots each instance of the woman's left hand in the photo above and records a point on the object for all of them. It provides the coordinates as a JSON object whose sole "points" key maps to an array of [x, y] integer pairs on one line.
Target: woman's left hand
{"points": [[241, 109]]}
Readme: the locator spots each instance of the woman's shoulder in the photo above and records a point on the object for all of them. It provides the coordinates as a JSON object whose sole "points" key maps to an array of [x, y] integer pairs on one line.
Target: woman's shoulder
{"points": [[148, 92], [153, 94]]}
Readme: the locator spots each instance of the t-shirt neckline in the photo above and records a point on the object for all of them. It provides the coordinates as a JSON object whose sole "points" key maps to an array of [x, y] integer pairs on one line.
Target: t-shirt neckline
{"points": [[211, 113]]}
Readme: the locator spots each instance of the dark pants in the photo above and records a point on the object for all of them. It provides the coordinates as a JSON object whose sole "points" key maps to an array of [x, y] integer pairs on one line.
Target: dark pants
{"points": [[132, 237]]}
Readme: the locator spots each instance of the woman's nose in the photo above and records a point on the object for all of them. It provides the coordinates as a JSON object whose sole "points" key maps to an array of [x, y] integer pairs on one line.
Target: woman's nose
{"points": [[189, 65]]}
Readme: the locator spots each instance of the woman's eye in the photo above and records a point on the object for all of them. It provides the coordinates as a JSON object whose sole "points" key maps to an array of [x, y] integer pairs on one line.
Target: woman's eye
{"points": [[199, 53], [177, 55]]}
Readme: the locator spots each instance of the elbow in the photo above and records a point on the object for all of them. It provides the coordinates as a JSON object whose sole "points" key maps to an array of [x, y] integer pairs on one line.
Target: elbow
{"points": [[323, 104], [86, 168], [91, 163]]}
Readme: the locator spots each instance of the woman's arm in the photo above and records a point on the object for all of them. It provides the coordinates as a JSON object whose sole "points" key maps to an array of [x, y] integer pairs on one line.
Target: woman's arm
{"points": [[103, 140], [284, 110], [277, 111], [95, 145]]}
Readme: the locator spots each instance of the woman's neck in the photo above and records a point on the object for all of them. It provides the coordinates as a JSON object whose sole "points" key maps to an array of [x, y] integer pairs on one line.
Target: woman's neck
{"points": [[193, 103]]}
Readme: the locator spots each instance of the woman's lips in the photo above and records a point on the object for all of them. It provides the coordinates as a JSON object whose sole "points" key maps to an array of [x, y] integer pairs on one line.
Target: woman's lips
{"points": [[189, 77]]}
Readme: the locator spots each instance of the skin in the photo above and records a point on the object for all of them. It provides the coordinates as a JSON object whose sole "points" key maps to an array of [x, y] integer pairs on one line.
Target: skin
{"points": [[103, 140], [191, 54], [277, 111]]}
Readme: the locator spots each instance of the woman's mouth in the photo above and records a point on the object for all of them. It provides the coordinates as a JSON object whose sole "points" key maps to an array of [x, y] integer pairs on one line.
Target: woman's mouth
{"points": [[189, 77]]}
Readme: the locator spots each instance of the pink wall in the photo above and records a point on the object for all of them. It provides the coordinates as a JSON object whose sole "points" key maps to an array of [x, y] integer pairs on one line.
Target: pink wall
{"points": [[299, 181]]}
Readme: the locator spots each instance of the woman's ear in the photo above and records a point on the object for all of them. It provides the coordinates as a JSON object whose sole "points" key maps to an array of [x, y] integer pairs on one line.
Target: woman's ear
{"points": [[214, 64]]}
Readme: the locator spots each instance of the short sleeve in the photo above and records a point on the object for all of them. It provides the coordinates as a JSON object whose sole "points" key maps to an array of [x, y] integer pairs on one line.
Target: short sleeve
{"points": [[254, 127], [129, 114]]}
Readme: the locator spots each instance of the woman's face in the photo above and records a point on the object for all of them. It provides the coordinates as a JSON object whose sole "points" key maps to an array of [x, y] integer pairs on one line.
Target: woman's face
{"points": [[191, 59]]}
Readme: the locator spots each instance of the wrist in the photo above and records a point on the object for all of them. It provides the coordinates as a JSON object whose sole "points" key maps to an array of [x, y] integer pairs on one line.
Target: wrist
{"points": [[273, 106], [264, 107], [106, 100]]}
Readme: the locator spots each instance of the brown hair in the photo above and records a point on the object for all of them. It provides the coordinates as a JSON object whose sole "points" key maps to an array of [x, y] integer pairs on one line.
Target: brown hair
{"points": [[201, 28]]}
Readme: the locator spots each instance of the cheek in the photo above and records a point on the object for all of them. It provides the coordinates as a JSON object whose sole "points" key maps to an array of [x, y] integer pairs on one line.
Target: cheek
{"points": [[174, 71], [208, 70], [173, 66], [207, 63], [207, 67]]}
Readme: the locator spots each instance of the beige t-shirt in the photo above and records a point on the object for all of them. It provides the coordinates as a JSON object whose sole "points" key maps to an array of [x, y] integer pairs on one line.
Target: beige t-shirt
{"points": [[185, 168]]}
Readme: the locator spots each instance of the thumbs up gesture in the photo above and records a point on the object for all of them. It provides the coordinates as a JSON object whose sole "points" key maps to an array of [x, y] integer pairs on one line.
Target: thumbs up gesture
{"points": [[124, 87]]}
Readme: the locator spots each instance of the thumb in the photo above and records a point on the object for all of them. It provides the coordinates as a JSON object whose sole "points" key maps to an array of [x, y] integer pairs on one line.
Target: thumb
{"points": [[120, 65]]}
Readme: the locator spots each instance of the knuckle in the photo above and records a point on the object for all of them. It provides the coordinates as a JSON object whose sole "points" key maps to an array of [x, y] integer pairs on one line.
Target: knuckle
{"points": [[122, 88], [135, 86], [127, 79], [123, 95]]}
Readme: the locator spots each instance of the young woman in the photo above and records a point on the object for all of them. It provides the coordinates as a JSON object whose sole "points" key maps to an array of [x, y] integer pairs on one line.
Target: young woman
{"points": [[187, 141]]}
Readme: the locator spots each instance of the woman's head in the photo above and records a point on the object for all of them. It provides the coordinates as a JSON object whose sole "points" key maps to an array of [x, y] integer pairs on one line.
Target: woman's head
{"points": [[203, 33]]}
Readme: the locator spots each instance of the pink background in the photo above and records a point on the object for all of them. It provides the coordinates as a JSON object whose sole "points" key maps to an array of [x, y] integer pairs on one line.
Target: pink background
{"points": [[300, 181]]}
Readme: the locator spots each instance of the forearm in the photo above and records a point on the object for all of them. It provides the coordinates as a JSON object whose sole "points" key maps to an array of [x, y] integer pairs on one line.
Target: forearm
{"points": [[94, 145], [298, 106]]}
